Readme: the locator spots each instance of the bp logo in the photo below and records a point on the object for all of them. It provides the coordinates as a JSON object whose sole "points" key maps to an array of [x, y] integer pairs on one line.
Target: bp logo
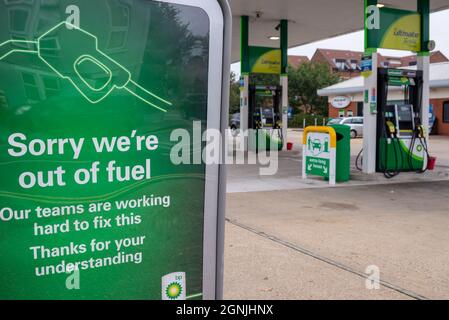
{"points": [[173, 291], [419, 148], [174, 286]]}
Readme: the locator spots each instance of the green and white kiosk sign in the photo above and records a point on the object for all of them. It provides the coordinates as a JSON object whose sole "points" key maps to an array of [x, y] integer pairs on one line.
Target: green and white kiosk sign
{"points": [[101, 194], [319, 153], [397, 29]]}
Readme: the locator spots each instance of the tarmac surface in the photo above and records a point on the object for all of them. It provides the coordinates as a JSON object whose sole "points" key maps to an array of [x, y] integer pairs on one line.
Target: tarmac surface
{"points": [[293, 239]]}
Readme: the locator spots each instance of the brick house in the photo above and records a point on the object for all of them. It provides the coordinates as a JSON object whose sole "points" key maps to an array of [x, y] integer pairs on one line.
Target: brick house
{"points": [[296, 61]]}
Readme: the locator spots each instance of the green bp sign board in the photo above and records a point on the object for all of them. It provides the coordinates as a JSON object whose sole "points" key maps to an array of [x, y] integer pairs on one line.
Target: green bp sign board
{"points": [[102, 196], [391, 28], [265, 60]]}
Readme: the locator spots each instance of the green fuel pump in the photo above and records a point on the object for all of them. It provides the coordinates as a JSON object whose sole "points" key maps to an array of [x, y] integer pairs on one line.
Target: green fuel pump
{"points": [[265, 118], [401, 138]]}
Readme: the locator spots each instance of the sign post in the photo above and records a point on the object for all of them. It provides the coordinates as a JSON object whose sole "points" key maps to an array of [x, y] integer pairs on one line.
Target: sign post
{"points": [[320, 153], [105, 191]]}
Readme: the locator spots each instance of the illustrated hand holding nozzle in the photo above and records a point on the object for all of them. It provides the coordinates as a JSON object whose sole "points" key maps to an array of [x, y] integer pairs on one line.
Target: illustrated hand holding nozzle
{"points": [[73, 54]]}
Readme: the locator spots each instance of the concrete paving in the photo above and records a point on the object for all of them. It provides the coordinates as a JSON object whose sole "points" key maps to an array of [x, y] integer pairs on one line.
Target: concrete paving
{"points": [[336, 233], [260, 269], [290, 239]]}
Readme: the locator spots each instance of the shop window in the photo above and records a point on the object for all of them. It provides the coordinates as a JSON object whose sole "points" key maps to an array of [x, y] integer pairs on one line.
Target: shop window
{"points": [[3, 101], [119, 14], [50, 47], [40, 87], [20, 45], [45, 24], [51, 85], [117, 39], [446, 112], [30, 83], [341, 64], [355, 65], [18, 20], [360, 107]]}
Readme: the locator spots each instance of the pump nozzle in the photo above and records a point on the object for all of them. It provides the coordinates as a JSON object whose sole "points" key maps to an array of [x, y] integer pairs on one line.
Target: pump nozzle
{"points": [[421, 131], [391, 128]]}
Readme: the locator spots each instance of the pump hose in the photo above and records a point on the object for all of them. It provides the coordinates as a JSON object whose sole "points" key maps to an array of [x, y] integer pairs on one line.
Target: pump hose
{"points": [[397, 154], [359, 160], [423, 141], [281, 136], [426, 148], [410, 151], [389, 174]]}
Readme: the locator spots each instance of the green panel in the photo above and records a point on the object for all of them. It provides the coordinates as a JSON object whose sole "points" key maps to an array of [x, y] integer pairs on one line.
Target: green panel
{"points": [[318, 167], [284, 46], [399, 29], [395, 156], [343, 156], [424, 10], [77, 90], [265, 60], [371, 34], [244, 44]]}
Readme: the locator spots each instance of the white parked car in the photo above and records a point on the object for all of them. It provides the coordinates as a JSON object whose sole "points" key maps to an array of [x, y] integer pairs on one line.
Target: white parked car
{"points": [[356, 124]]}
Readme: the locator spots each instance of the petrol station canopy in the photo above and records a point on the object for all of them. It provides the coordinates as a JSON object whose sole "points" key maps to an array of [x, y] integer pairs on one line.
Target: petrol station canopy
{"points": [[310, 21]]}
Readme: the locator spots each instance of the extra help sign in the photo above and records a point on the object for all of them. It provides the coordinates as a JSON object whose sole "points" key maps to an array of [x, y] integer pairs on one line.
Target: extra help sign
{"points": [[319, 153]]}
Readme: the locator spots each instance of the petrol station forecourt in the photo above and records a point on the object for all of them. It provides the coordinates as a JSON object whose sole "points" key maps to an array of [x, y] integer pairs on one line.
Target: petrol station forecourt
{"points": [[329, 238]]}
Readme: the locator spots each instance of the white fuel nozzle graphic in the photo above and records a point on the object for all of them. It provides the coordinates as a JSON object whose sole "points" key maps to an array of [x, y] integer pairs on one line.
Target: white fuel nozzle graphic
{"points": [[73, 54]]}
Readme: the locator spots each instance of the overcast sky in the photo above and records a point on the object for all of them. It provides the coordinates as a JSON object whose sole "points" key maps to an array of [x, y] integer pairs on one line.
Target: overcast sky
{"points": [[439, 31]]}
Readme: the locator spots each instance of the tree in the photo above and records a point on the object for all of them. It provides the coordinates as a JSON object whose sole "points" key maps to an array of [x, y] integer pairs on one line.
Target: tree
{"points": [[304, 82], [261, 79]]}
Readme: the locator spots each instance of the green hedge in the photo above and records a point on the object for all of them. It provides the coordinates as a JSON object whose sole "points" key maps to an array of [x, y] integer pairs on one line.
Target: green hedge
{"points": [[298, 120]]}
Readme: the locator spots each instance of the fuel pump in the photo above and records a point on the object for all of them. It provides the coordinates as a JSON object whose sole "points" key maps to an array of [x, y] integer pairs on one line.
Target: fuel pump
{"points": [[401, 138], [265, 118]]}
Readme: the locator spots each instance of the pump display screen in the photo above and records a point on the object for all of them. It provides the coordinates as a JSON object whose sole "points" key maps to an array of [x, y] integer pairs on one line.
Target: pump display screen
{"points": [[405, 113], [266, 105]]}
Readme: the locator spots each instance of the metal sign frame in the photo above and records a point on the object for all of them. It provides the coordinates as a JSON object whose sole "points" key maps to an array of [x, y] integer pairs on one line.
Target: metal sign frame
{"points": [[220, 20], [332, 151]]}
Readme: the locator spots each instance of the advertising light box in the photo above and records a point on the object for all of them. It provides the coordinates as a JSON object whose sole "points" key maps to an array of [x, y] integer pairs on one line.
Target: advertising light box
{"points": [[102, 196]]}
